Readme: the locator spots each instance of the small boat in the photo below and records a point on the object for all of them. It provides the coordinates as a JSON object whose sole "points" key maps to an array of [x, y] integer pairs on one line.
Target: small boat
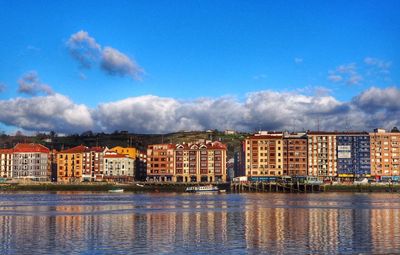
{"points": [[139, 185], [222, 191], [116, 190], [207, 188]]}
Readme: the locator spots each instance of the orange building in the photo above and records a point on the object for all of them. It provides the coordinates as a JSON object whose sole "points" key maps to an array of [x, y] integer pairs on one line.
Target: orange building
{"points": [[385, 154], [80, 163], [263, 154], [69, 164]]}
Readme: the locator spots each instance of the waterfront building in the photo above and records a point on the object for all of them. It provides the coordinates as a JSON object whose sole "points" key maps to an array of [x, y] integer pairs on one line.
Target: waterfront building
{"points": [[200, 162], [118, 167], [93, 164], [160, 162], [6, 163], [138, 156], [385, 154], [80, 163], [263, 154], [141, 166], [193, 162], [70, 164], [353, 154], [295, 154], [322, 158], [31, 162]]}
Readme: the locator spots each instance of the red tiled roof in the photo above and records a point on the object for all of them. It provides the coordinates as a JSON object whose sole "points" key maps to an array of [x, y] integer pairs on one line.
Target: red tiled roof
{"points": [[77, 149], [96, 149], [6, 151], [30, 147]]}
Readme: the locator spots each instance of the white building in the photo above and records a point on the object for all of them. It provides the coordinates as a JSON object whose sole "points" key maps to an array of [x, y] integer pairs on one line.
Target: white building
{"points": [[31, 161], [118, 167]]}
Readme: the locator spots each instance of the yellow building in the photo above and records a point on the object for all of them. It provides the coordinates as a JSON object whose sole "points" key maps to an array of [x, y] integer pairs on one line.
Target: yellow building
{"points": [[70, 164], [127, 151]]}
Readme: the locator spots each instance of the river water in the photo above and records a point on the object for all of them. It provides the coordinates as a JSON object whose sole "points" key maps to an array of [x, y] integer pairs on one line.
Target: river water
{"points": [[173, 223]]}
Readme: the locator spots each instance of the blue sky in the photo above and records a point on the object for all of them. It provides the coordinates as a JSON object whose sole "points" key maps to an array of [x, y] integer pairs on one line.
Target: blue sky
{"points": [[191, 51]]}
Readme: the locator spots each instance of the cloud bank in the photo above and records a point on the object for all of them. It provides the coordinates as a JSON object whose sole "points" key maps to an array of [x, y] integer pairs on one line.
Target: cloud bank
{"points": [[84, 49], [270, 110]]}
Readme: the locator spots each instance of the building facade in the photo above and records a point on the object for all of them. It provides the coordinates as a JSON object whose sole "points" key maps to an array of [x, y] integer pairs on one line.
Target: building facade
{"points": [[93, 164], [295, 154], [118, 167], [194, 162], [70, 164], [6, 163], [263, 155], [322, 155], [160, 162], [200, 162], [385, 154], [353, 154], [31, 162]]}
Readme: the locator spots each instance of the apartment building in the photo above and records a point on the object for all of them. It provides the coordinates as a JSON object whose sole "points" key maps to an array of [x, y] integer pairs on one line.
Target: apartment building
{"points": [[322, 154], [200, 162], [118, 167], [353, 154], [263, 154], [6, 163], [193, 162], [160, 162], [70, 164], [138, 156], [31, 162], [385, 154], [93, 164], [295, 154]]}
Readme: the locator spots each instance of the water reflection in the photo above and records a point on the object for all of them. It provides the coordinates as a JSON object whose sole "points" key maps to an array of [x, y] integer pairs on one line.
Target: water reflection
{"points": [[180, 223]]}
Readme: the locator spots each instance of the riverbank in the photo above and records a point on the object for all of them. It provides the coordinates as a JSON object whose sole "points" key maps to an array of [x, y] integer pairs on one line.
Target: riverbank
{"points": [[178, 187], [132, 187]]}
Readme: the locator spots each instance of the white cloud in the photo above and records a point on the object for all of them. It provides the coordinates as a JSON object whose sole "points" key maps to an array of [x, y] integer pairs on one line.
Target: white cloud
{"points": [[114, 62], [269, 110], [30, 84], [88, 53], [84, 48], [45, 113]]}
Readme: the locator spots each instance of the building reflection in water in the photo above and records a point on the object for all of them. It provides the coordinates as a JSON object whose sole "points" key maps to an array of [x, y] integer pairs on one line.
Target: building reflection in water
{"points": [[283, 224]]}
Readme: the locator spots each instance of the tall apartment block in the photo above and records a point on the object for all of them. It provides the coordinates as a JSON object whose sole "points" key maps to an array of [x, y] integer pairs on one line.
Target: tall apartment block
{"points": [[322, 155], [353, 154], [385, 154], [295, 154], [263, 154], [31, 161]]}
